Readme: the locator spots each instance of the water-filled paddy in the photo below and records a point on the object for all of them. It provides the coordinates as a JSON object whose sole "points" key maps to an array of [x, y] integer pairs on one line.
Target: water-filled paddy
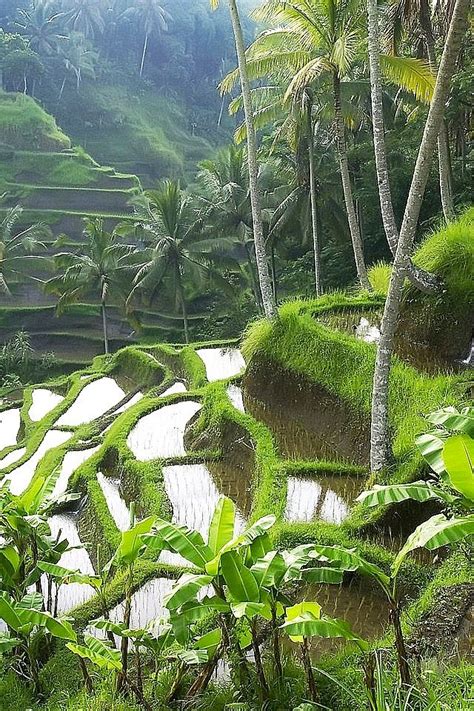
{"points": [[22, 475], [93, 400], [328, 498], [161, 433], [115, 503], [44, 401], [65, 526], [221, 363], [9, 427]]}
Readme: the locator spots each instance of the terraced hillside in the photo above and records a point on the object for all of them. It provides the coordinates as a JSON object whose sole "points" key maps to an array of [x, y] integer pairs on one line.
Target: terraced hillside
{"points": [[59, 185], [172, 429]]}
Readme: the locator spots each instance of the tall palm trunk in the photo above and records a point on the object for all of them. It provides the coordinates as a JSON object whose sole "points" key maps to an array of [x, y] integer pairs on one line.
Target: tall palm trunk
{"points": [[347, 187], [145, 47], [105, 329], [423, 280], [182, 300], [314, 217], [379, 429], [445, 187], [255, 198]]}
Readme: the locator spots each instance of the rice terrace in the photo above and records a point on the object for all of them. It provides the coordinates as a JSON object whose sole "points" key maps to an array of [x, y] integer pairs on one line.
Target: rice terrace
{"points": [[236, 355]]}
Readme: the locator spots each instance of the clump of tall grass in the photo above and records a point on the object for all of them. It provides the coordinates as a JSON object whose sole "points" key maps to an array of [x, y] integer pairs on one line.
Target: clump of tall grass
{"points": [[379, 277]]}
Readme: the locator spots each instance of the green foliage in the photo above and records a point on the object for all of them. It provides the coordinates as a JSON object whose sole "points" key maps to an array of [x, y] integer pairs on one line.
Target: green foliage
{"points": [[379, 277], [25, 125]]}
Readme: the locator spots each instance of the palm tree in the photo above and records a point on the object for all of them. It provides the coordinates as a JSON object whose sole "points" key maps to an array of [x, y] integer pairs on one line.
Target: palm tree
{"points": [[98, 272], [255, 197], [177, 254], [154, 19], [226, 204], [17, 248], [317, 39], [42, 26], [85, 16], [415, 17], [79, 59], [316, 43], [380, 445]]}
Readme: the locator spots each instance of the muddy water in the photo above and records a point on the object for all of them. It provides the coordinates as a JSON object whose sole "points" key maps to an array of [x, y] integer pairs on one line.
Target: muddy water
{"points": [[363, 608], [21, 476], [221, 363], [236, 397], [78, 559], [9, 427], [161, 433], [43, 402], [72, 460], [12, 457], [235, 482], [116, 505], [95, 399], [328, 498], [307, 421]]}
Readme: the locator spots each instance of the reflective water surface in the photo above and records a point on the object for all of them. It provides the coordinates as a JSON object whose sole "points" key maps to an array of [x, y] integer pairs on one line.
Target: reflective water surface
{"points": [[9, 427], [43, 402], [64, 525], [12, 457], [221, 363], [161, 433], [22, 475], [72, 460], [93, 400], [116, 505], [236, 397], [328, 498]]}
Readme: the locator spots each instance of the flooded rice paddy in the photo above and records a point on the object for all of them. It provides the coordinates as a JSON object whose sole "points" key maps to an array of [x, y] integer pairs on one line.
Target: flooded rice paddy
{"points": [[10, 422], [221, 363], [328, 498], [236, 397], [72, 460], [12, 457], [43, 402], [92, 402], [21, 477], [65, 526], [115, 503], [161, 433]]}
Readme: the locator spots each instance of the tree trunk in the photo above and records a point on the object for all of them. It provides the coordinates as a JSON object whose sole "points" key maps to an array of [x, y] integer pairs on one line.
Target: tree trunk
{"points": [[255, 197], [142, 63], [276, 644], [418, 277], [379, 445], [445, 187], [347, 188], [255, 285], [313, 694], [105, 327], [263, 686], [314, 221], [402, 657], [182, 300], [86, 676]]}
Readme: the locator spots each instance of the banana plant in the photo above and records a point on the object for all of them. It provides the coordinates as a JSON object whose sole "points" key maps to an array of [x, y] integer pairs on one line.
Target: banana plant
{"points": [[131, 547], [25, 533], [303, 621], [100, 653], [63, 576], [26, 621], [438, 531], [183, 603], [449, 451]]}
